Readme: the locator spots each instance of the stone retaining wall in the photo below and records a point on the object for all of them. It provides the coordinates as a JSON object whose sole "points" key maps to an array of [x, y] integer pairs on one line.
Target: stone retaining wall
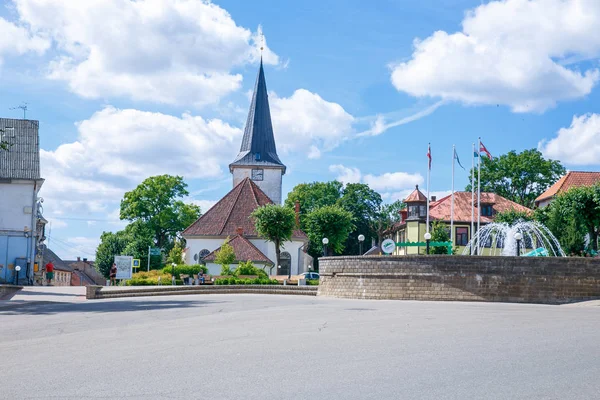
{"points": [[99, 292], [551, 280]]}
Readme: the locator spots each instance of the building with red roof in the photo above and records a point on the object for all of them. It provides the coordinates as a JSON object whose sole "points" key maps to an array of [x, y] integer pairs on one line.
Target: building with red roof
{"points": [[571, 179]]}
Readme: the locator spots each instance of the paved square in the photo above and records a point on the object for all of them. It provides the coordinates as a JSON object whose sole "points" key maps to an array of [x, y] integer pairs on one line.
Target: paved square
{"points": [[288, 347]]}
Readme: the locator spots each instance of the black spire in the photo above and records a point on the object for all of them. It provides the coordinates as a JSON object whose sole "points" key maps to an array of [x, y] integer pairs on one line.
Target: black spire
{"points": [[258, 144]]}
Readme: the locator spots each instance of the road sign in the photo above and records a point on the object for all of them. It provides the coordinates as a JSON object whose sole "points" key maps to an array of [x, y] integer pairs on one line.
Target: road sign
{"points": [[388, 246], [124, 264], [155, 251], [136, 263]]}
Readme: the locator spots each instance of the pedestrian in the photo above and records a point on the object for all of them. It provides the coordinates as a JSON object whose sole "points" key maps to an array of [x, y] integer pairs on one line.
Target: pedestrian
{"points": [[49, 273], [113, 275]]}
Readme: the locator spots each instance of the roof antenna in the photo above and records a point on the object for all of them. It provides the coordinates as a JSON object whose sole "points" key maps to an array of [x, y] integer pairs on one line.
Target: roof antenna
{"points": [[22, 107]]}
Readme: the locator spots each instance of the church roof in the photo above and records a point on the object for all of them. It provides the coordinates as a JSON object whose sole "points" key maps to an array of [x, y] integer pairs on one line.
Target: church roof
{"points": [[233, 212], [415, 196], [244, 251], [258, 144]]}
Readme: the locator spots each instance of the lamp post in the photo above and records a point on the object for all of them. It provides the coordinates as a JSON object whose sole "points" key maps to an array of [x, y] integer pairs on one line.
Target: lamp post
{"points": [[518, 238], [325, 242], [427, 239], [17, 269], [361, 239], [173, 273]]}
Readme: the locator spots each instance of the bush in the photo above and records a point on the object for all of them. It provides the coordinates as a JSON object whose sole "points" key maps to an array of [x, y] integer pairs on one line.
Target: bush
{"points": [[226, 270], [312, 282], [237, 281], [248, 268], [185, 270], [151, 279]]}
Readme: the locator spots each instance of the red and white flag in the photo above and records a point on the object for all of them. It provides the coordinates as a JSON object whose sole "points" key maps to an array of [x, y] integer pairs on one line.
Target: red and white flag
{"points": [[429, 154], [482, 149]]}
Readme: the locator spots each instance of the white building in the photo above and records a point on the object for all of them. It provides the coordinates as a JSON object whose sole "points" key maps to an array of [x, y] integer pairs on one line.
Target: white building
{"points": [[257, 179], [21, 228]]}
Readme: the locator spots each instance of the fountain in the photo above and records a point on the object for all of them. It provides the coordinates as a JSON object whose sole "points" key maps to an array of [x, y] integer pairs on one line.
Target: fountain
{"points": [[501, 240]]}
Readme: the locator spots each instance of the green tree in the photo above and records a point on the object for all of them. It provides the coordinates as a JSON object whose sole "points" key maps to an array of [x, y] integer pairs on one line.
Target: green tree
{"points": [[576, 210], [331, 222], [312, 196], [387, 216], [520, 177], [176, 254], [364, 204], [111, 245], [512, 216], [276, 224], [157, 203], [225, 257], [439, 233]]}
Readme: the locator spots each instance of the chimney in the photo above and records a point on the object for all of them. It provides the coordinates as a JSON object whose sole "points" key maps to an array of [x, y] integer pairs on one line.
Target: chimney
{"points": [[433, 198], [297, 214], [239, 231], [78, 259]]}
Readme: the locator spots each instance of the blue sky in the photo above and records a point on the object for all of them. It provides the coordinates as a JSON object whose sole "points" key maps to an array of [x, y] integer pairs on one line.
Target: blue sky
{"points": [[124, 90]]}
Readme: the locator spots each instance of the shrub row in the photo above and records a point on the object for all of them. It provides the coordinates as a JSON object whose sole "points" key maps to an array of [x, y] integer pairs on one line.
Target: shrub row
{"points": [[236, 281], [185, 270]]}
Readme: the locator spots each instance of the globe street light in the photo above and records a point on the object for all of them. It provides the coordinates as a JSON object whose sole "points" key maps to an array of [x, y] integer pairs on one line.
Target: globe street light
{"points": [[427, 239], [173, 274], [361, 239], [518, 238], [325, 242], [17, 268]]}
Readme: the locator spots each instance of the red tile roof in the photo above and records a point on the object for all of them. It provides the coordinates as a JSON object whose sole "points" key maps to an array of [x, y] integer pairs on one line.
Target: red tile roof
{"points": [[233, 212], [416, 195], [462, 206], [571, 179], [244, 251]]}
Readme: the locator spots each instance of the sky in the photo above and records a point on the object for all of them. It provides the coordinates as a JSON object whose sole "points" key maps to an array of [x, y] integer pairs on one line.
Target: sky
{"points": [[128, 89]]}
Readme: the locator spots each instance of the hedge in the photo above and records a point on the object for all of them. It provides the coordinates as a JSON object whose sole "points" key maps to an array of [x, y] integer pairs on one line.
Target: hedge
{"points": [[236, 281], [185, 270]]}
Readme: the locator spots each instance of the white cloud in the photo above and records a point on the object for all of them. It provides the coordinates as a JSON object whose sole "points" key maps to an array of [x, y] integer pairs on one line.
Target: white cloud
{"points": [[168, 51], [308, 123], [512, 52], [346, 175], [204, 205], [17, 40], [388, 181], [579, 144], [392, 180], [117, 149]]}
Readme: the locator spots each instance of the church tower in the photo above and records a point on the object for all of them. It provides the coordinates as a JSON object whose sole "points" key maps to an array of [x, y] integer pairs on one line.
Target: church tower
{"points": [[258, 159]]}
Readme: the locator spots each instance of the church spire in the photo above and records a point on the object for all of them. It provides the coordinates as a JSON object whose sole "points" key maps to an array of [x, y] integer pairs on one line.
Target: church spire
{"points": [[258, 144]]}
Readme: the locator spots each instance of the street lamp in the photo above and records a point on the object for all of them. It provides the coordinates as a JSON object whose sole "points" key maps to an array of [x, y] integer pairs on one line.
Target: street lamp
{"points": [[361, 239], [173, 273], [518, 238], [325, 242], [17, 268], [427, 239]]}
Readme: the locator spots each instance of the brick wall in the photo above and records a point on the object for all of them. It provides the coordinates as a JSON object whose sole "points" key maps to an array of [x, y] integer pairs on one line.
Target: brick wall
{"points": [[550, 280]]}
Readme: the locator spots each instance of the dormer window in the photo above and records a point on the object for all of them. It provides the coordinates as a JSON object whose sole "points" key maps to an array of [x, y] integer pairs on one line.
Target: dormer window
{"points": [[487, 210], [257, 156]]}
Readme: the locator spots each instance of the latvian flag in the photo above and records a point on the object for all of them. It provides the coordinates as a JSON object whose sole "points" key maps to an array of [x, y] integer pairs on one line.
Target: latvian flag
{"points": [[482, 149]]}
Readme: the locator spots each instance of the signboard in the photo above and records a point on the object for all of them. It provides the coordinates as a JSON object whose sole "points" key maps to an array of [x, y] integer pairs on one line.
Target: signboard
{"points": [[155, 251], [136, 263], [388, 246], [124, 264]]}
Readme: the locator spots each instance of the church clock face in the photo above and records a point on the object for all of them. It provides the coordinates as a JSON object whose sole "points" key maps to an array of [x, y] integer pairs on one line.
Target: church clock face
{"points": [[257, 174]]}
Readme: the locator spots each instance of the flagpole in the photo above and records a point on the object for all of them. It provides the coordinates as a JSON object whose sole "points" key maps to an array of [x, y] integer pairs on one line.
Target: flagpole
{"points": [[472, 198], [478, 195], [452, 203], [428, 177]]}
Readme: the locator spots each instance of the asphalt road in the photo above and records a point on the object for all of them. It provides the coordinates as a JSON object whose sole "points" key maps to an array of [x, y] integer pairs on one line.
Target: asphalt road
{"points": [[287, 347]]}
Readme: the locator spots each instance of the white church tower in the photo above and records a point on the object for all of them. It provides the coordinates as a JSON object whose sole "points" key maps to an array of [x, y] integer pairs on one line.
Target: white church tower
{"points": [[258, 159]]}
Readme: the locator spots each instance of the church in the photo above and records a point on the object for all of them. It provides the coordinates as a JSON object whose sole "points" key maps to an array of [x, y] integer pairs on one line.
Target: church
{"points": [[257, 178]]}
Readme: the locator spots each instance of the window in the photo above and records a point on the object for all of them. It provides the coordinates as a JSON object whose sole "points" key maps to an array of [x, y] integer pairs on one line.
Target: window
{"points": [[413, 211], [423, 211], [487, 210], [257, 174], [462, 236], [203, 253]]}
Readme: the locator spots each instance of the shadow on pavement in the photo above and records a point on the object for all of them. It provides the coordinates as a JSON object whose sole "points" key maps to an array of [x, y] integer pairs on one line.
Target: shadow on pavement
{"points": [[98, 306]]}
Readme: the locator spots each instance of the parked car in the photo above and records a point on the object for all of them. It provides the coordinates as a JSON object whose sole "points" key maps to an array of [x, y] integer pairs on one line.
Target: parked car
{"points": [[309, 275]]}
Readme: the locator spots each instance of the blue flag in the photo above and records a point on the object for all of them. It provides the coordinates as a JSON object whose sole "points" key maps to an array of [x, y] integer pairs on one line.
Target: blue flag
{"points": [[458, 159]]}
